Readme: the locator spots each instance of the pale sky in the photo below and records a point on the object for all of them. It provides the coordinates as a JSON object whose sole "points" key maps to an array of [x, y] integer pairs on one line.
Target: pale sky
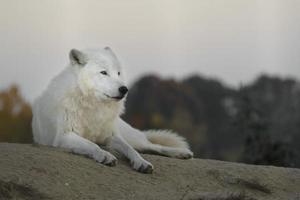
{"points": [[233, 40]]}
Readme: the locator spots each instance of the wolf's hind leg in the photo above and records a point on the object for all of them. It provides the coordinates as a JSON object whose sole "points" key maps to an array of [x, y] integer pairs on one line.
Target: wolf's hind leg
{"points": [[82, 146], [174, 152], [144, 142]]}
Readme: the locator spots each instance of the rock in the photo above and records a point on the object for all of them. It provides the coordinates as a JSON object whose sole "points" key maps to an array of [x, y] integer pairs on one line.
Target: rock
{"points": [[37, 173]]}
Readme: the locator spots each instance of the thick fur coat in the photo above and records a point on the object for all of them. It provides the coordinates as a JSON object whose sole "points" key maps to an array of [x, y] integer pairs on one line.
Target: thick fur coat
{"points": [[81, 108]]}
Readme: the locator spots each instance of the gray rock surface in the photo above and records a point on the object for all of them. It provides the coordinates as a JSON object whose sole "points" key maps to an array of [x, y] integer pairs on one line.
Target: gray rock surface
{"points": [[37, 173]]}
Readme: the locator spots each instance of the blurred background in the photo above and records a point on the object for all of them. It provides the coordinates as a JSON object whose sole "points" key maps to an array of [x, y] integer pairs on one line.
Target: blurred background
{"points": [[223, 74]]}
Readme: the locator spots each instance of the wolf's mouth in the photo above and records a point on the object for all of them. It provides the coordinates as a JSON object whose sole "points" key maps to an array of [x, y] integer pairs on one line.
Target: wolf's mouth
{"points": [[116, 98]]}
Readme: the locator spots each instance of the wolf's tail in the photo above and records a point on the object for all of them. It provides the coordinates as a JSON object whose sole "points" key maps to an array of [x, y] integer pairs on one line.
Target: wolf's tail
{"points": [[166, 138]]}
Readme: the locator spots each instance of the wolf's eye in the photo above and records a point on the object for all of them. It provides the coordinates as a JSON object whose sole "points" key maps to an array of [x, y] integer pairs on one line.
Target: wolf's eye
{"points": [[119, 73], [104, 72]]}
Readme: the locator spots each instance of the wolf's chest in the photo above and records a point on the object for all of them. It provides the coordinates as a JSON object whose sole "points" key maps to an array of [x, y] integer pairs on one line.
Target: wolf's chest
{"points": [[94, 124]]}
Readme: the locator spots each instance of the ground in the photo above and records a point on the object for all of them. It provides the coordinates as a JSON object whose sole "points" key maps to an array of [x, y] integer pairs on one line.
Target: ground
{"points": [[37, 173]]}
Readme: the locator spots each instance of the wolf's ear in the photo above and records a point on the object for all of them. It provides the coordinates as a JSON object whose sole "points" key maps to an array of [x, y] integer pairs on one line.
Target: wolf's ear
{"points": [[77, 57], [108, 49]]}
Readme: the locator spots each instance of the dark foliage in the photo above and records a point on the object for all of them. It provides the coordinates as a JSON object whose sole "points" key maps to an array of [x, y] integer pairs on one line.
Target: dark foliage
{"points": [[256, 124]]}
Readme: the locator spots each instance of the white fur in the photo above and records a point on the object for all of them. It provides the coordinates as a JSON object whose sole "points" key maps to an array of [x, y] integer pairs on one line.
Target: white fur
{"points": [[78, 110]]}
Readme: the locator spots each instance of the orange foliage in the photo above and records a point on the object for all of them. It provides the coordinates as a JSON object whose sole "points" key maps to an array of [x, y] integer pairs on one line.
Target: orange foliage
{"points": [[15, 117]]}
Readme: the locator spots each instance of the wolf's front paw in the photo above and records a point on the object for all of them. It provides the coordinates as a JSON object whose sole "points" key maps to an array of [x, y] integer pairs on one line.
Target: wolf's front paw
{"points": [[142, 165], [105, 158]]}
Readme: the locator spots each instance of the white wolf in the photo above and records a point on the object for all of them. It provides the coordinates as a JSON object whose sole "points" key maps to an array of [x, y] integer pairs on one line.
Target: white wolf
{"points": [[82, 106]]}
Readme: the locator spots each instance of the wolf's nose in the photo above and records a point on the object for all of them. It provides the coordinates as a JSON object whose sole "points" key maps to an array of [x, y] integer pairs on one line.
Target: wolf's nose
{"points": [[123, 90]]}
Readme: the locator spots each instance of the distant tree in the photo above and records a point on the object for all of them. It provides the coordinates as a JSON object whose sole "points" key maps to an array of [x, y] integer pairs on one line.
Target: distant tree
{"points": [[259, 147], [15, 117]]}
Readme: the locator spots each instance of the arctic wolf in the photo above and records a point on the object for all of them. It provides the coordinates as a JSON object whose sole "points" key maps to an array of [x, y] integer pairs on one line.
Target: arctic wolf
{"points": [[82, 106]]}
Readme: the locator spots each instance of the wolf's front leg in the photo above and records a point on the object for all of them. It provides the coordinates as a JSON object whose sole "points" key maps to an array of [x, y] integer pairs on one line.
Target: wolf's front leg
{"points": [[137, 162], [82, 146]]}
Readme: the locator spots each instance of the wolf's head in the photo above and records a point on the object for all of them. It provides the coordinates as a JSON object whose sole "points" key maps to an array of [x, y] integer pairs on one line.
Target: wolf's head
{"points": [[99, 74]]}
